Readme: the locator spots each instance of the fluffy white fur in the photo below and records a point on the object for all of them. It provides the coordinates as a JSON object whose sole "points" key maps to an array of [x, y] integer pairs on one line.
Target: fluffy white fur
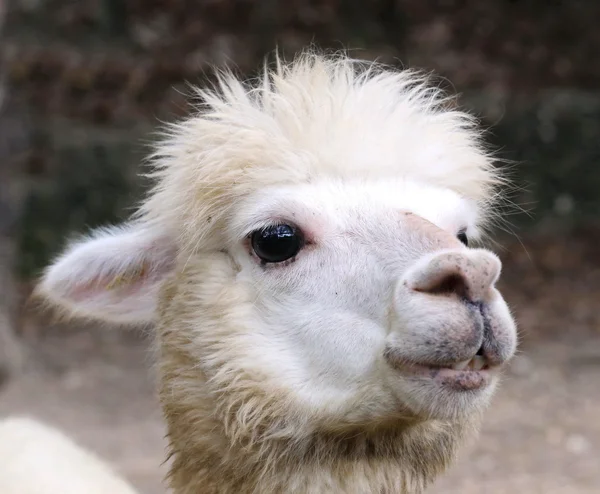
{"points": [[326, 372], [318, 117], [37, 459]]}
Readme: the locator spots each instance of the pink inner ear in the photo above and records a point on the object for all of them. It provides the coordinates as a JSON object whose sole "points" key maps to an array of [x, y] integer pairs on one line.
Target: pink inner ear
{"points": [[121, 285], [101, 286]]}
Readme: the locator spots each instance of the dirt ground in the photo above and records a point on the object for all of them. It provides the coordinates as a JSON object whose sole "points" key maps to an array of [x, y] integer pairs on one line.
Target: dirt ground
{"points": [[541, 434]]}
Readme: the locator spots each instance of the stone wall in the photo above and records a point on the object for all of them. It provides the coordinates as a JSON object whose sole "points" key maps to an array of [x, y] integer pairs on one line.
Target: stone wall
{"points": [[94, 79]]}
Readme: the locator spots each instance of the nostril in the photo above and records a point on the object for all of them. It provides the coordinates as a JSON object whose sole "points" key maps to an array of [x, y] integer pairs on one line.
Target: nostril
{"points": [[451, 283]]}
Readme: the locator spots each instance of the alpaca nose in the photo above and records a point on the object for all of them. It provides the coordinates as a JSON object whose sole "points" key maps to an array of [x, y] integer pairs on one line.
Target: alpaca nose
{"points": [[469, 274]]}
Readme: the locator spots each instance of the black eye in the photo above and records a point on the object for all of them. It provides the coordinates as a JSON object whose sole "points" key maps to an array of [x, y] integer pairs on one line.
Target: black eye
{"points": [[462, 236], [277, 243]]}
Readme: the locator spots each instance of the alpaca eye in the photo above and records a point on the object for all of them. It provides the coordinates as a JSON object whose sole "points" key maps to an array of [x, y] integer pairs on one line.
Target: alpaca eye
{"points": [[462, 236], [276, 243]]}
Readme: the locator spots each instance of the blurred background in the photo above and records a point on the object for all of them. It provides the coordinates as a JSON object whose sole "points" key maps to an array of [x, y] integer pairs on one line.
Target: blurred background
{"points": [[84, 83]]}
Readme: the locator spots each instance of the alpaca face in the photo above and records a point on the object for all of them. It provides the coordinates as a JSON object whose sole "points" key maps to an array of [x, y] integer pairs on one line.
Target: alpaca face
{"points": [[377, 305]]}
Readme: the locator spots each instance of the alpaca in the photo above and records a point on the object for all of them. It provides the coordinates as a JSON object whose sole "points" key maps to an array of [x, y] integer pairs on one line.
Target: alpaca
{"points": [[37, 459], [322, 323]]}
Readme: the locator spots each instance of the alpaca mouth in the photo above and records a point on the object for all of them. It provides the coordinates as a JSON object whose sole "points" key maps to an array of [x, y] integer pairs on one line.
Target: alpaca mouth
{"points": [[468, 375], [478, 362], [471, 374]]}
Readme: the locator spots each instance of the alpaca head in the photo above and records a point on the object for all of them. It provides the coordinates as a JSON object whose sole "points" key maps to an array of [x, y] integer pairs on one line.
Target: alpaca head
{"points": [[306, 247]]}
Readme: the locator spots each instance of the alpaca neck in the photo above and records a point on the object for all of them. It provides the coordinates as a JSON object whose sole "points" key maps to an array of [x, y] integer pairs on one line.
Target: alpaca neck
{"points": [[395, 461]]}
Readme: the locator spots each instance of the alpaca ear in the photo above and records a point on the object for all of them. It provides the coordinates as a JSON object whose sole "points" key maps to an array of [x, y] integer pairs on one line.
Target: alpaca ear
{"points": [[114, 275]]}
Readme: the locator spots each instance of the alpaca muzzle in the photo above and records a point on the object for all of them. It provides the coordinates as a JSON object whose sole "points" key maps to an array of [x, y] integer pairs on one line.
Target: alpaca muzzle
{"points": [[450, 322]]}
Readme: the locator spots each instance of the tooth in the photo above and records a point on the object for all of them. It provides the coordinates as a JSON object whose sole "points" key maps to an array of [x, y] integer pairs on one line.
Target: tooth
{"points": [[478, 362], [461, 365]]}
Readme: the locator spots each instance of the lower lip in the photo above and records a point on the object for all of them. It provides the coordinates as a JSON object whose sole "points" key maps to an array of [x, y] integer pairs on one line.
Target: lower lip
{"points": [[459, 380]]}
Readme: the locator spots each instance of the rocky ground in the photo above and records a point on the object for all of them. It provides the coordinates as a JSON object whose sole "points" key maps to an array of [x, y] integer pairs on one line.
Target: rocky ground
{"points": [[541, 435]]}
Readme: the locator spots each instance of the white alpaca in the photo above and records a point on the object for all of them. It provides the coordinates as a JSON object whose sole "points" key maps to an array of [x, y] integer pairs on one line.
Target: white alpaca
{"points": [[321, 324], [37, 459]]}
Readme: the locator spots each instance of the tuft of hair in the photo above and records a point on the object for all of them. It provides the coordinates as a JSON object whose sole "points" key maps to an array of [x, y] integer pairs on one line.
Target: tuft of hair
{"points": [[317, 116], [37, 459]]}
